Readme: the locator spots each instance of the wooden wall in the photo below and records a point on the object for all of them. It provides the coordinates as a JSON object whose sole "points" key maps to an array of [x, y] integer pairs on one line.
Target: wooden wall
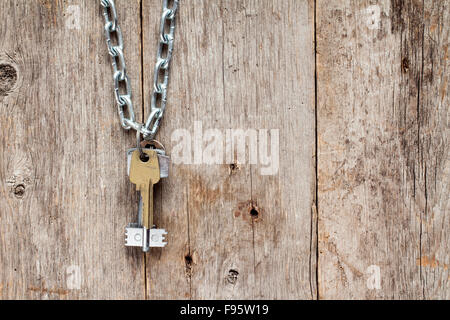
{"points": [[357, 210]]}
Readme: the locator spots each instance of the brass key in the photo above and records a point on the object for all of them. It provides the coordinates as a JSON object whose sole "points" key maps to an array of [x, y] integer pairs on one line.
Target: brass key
{"points": [[144, 173]]}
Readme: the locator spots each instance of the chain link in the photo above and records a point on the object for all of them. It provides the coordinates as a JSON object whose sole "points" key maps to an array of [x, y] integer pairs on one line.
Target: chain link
{"points": [[161, 72]]}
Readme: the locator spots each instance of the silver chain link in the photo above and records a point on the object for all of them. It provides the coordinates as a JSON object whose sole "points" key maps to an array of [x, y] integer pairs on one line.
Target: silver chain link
{"points": [[161, 72]]}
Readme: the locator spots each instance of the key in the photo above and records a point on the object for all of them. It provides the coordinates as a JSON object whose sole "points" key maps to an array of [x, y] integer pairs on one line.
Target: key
{"points": [[144, 174], [163, 160]]}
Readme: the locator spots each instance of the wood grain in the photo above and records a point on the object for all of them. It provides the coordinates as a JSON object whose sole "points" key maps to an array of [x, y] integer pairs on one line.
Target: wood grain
{"points": [[364, 84], [238, 65], [65, 195], [383, 149]]}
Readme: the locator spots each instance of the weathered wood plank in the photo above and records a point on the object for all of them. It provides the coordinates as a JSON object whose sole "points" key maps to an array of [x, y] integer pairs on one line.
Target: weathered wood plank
{"points": [[167, 272], [240, 65], [383, 149], [65, 195], [233, 232], [434, 173], [282, 97]]}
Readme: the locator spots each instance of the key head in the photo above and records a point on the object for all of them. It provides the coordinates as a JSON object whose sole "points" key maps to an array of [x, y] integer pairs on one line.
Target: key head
{"points": [[164, 162], [142, 171]]}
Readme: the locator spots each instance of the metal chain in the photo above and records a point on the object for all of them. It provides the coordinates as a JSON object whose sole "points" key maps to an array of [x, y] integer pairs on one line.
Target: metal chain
{"points": [[161, 72]]}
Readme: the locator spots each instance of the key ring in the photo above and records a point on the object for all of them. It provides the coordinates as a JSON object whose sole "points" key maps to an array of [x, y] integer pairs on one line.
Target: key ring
{"points": [[158, 146], [138, 142]]}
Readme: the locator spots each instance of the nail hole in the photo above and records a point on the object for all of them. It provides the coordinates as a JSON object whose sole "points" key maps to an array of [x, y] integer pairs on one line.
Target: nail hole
{"points": [[232, 276], [405, 65], [234, 167], [19, 191], [188, 260], [254, 213], [8, 78]]}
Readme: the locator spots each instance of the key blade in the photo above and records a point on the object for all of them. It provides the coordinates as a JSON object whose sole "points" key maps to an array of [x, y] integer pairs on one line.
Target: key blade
{"points": [[157, 237], [144, 238], [134, 237], [140, 209]]}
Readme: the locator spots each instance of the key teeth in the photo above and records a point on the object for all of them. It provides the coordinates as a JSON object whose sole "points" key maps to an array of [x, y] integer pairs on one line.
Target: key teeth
{"points": [[157, 237], [134, 237]]}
